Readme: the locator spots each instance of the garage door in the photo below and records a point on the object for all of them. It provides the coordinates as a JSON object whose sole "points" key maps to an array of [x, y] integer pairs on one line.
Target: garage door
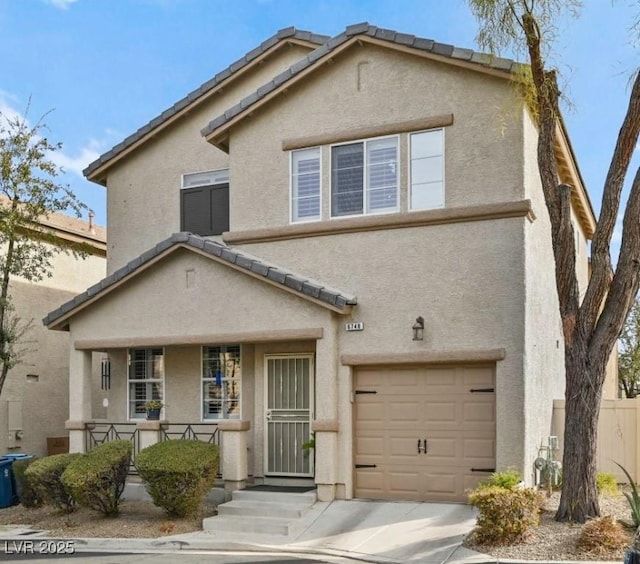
{"points": [[423, 433]]}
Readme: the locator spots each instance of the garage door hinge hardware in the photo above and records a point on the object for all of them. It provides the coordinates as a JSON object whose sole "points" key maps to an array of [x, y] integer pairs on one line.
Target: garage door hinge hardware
{"points": [[366, 392], [366, 466], [483, 469], [422, 448], [484, 390]]}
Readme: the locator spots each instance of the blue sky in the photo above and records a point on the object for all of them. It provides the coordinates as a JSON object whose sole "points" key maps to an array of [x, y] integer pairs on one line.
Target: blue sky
{"points": [[107, 67]]}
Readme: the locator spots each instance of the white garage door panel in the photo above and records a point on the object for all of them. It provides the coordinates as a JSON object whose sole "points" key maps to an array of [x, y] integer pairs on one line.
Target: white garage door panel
{"points": [[418, 403]]}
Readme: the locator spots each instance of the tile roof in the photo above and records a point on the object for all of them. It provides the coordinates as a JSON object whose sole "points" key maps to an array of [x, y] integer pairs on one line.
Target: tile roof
{"points": [[302, 285], [467, 55], [286, 33]]}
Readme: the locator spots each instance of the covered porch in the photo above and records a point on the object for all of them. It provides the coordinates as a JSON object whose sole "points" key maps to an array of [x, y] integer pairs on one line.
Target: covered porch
{"points": [[249, 366]]}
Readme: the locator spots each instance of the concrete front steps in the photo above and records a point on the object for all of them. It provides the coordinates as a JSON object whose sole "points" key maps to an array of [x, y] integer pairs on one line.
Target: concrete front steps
{"points": [[260, 512]]}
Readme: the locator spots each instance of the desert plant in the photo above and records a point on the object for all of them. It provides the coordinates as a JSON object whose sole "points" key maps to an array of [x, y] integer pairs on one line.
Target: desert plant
{"points": [[97, 479], [633, 498], [607, 484], [178, 474], [29, 497], [505, 516], [601, 536], [507, 479], [44, 474]]}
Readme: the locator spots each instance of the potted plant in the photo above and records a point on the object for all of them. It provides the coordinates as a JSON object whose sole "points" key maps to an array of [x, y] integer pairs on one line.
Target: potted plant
{"points": [[153, 408]]}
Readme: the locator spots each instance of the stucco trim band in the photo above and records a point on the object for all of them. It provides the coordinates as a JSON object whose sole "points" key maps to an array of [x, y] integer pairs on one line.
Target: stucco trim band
{"points": [[171, 340], [442, 216], [365, 132], [234, 425], [325, 426], [431, 357]]}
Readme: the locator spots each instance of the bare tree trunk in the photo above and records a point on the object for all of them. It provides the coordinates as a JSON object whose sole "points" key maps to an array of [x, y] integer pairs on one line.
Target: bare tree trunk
{"points": [[582, 408]]}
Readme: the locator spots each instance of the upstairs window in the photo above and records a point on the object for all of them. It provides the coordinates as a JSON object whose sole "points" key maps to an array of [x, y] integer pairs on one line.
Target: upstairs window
{"points": [[427, 170], [364, 177], [204, 203], [305, 185], [146, 379]]}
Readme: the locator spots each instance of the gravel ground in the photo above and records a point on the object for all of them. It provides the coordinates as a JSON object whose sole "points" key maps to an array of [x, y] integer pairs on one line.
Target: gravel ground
{"points": [[557, 541], [137, 519]]}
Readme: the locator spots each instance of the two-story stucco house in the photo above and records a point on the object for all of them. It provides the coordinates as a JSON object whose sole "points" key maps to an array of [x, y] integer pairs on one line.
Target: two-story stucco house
{"points": [[344, 236]]}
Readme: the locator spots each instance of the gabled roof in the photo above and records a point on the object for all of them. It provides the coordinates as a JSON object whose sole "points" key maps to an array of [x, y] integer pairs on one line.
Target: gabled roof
{"points": [[95, 170], [294, 283], [215, 131]]}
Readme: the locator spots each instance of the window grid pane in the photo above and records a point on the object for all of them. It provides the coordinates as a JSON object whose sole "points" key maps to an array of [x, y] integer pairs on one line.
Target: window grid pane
{"points": [[382, 175], [221, 380], [347, 179], [306, 184], [146, 379], [427, 170]]}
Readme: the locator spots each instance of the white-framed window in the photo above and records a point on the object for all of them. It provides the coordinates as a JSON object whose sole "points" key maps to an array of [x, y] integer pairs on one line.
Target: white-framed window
{"points": [[305, 185], [221, 382], [207, 178], [204, 202], [426, 170], [146, 379], [364, 177]]}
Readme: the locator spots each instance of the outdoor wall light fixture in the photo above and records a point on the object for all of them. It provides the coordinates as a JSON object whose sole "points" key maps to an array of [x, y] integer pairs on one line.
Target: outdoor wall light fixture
{"points": [[418, 329]]}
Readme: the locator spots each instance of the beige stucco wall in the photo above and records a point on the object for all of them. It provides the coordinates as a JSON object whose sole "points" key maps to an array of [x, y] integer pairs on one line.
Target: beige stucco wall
{"points": [[544, 341], [465, 280], [143, 190], [480, 163], [38, 387]]}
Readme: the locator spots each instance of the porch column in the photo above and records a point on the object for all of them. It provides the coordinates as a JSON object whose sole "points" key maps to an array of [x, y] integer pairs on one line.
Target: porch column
{"points": [[149, 432], [79, 398], [325, 425], [234, 453]]}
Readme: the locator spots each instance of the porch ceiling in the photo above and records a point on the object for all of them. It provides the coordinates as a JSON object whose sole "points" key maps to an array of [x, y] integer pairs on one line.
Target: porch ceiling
{"points": [[245, 263]]}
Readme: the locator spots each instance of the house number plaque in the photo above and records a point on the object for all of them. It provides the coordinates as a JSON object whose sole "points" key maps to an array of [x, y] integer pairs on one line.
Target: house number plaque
{"points": [[358, 326]]}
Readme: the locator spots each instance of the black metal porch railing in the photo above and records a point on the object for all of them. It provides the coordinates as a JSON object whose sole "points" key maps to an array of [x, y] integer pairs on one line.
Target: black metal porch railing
{"points": [[206, 432], [104, 432], [98, 433]]}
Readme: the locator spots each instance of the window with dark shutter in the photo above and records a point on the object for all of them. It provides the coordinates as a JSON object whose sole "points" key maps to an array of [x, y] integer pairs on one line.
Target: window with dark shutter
{"points": [[204, 203]]}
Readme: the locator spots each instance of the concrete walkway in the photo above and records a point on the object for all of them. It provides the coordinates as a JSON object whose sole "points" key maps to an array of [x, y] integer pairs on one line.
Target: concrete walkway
{"points": [[367, 531]]}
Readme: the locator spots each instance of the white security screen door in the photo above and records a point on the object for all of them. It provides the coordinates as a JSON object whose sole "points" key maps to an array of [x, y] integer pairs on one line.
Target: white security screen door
{"points": [[289, 381]]}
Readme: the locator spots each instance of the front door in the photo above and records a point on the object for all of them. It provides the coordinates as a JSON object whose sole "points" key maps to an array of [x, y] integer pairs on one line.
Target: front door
{"points": [[289, 382]]}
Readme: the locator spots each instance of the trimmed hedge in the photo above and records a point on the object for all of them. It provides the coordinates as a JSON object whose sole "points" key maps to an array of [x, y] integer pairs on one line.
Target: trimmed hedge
{"points": [[29, 497], [505, 515], [44, 475], [97, 479], [178, 474]]}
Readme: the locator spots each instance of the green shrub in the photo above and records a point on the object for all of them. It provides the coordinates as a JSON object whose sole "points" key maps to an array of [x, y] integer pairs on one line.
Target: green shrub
{"points": [[29, 497], [505, 516], [507, 479], [607, 484], [178, 474], [45, 473], [97, 479]]}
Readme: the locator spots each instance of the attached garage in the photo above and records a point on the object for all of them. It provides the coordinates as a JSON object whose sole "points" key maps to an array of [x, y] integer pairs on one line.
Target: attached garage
{"points": [[423, 432]]}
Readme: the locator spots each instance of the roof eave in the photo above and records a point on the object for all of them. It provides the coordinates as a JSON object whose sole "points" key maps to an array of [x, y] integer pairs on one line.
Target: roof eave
{"points": [[97, 170]]}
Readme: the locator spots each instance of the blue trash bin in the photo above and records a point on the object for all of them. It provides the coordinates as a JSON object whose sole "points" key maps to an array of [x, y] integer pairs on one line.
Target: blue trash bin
{"points": [[6, 483], [14, 485]]}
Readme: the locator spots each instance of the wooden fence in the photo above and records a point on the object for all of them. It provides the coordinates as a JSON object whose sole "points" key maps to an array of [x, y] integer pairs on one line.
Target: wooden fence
{"points": [[618, 435]]}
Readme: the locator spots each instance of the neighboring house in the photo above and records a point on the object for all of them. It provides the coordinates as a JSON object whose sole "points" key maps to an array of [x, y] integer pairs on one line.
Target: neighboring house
{"points": [[370, 260], [35, 398]]}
